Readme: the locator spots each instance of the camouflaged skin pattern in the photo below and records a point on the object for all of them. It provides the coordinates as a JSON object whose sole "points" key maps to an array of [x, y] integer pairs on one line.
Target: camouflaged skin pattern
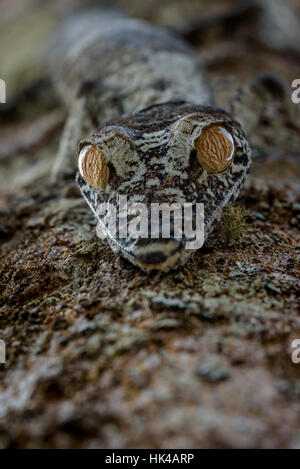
{"points": [[151, 158], [121, 65], [151, 87]]}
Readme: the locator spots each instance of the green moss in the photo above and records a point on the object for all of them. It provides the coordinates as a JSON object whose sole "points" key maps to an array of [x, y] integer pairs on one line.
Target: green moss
{"points": [[233, 223]]}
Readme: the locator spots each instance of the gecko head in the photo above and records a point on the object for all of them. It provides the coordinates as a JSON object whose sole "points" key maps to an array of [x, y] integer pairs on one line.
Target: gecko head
{"points": [[176, 157]]}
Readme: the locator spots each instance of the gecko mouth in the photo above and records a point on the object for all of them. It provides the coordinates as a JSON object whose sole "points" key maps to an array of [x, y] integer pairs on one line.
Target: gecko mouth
{"points": [[175, 236], [155, 257], [157, 254], [141, 181]]}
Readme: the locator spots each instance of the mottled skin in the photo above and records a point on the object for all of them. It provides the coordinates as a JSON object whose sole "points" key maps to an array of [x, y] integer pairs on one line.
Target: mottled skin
{"points": [[150, 86]]}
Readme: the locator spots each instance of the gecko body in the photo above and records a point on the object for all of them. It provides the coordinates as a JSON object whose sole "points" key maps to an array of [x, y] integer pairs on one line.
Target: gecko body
{"points": [[159, 139]]}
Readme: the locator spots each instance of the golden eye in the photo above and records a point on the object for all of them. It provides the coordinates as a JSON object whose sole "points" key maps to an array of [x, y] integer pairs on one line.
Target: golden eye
{"points": [[93, 167], [215, 149]]}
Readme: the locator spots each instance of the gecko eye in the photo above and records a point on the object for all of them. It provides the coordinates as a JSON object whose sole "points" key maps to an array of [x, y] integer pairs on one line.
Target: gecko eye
{"points": [[215, 149], [93, 167]]}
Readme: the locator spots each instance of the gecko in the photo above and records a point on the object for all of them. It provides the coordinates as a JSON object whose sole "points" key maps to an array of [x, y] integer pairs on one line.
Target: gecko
{"points": [[143, 124]]}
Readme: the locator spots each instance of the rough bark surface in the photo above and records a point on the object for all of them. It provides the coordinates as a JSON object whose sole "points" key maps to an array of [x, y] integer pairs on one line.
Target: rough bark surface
{"points": [[100, 354]]}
